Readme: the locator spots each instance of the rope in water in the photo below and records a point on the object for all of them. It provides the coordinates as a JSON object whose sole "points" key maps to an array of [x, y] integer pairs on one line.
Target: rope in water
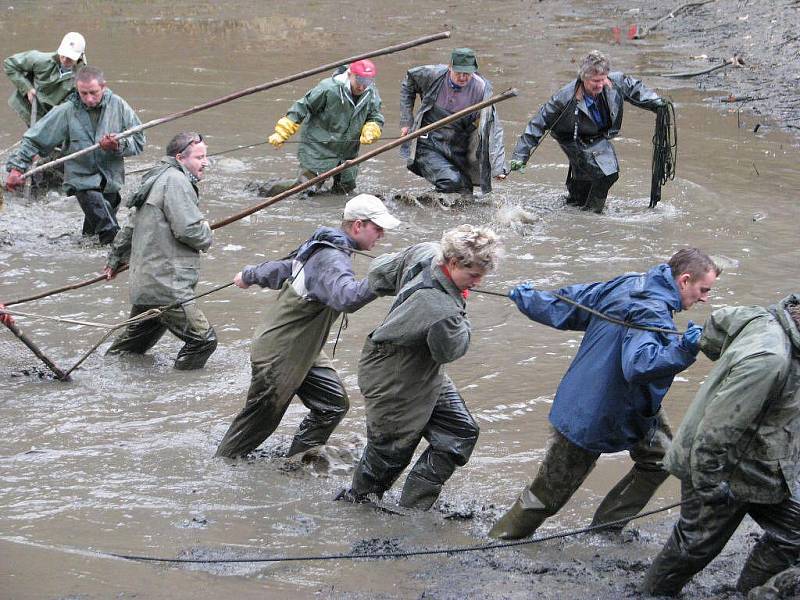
{"points": [[400, 554]]}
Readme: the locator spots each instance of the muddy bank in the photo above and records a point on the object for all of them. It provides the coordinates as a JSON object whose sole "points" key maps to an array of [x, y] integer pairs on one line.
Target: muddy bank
{"points": [[763, 34]]}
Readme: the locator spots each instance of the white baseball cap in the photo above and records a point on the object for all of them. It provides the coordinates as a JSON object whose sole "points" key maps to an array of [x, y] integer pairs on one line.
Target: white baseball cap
{"points": [[369, 208], [72, 46]]}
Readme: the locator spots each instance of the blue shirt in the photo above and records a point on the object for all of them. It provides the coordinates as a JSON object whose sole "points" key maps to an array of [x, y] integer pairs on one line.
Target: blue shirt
{"points": [[594, 110]]}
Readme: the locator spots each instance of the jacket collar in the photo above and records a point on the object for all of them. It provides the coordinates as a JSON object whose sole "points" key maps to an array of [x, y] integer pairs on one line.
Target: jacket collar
{"points": [[658, 284], [447, 284]]}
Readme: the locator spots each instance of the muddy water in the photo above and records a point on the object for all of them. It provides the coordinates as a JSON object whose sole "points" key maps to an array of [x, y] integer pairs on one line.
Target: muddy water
{"points": [[120, 459]]}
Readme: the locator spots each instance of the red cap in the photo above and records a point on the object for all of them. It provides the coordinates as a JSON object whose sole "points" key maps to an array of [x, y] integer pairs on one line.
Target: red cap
{"points": [[363, 68]]}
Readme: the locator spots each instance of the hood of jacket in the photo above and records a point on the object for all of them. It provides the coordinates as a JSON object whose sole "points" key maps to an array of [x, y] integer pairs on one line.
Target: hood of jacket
{"points": [[724, 327], [149, 179], [658, 284], [326, 235]]}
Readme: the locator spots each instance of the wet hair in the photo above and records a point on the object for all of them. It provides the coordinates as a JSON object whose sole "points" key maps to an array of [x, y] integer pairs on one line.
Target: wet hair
{"points": [[471, 246], [693, 261], [89, 73], [181, 142], [594, 63]]}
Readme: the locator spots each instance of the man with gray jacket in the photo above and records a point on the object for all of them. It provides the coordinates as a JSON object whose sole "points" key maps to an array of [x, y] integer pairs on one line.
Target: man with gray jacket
{"points": [[737, 451], [583, 117], [463, 154], [162, 244], [94, 116], [316, 284]]}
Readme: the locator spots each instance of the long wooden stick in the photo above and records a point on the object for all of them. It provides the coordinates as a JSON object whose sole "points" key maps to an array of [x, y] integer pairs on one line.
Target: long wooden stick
{"points": [[35, 349], [246, 92], [300, 187], [29, 182]]}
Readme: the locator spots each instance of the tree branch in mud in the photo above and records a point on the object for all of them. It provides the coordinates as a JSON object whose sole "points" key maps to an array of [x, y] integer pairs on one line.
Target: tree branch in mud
{"points": [[734, 60], [671, 15]]}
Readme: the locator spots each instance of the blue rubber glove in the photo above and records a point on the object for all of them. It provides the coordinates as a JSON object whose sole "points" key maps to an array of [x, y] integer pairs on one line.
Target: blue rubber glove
{"points": [[516, 292], [517, 165], [691, 339]]}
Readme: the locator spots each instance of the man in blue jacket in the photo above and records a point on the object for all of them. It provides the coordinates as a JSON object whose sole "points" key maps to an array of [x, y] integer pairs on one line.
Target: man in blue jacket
{"points": [[610, 398]]}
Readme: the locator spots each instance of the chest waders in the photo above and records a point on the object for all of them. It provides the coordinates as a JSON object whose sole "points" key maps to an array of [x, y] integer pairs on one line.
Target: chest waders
{"points": [[408, 397], [286, 358]]}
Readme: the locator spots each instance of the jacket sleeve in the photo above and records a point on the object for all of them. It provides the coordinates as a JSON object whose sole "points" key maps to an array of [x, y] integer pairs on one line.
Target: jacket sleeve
{"points": [[537, 126], [121, 247], [545, 308], [133, 144], [637, 93], [270, 274], [375, 115], [448, 339], [18, 67], [734, 409], [647, 355], [312, 102], [330, 279], [409, 88], [52, 130], [183, 216], [497, 151]]}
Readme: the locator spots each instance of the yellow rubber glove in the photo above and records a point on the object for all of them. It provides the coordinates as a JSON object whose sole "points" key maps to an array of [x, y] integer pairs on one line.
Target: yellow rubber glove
{"points": [[370, 132], [284, 129]]}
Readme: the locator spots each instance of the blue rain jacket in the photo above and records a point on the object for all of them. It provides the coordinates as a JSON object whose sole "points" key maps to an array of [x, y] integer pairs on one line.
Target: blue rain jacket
{"points": [[610, 395]]}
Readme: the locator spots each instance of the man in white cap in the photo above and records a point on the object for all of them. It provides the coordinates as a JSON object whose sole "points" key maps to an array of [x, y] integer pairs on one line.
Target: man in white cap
{"points": [[338, 115], [316, 284], [46, 76]]}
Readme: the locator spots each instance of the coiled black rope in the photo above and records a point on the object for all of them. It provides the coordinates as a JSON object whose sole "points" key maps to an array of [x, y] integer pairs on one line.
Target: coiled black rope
{"points": [[665, 150], [400, 554]]}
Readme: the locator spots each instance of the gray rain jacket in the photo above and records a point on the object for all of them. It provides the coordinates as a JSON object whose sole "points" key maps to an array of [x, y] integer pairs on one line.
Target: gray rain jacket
{"points": [[588, 147], [744, 424], [163, 239], [70, 126], [487, 153]]}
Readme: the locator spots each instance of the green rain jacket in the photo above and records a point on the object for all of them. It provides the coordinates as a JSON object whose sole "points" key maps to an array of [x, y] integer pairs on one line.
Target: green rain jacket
{"points": [[744, 424], [401, 371], [333, 122], [69, 125], [164, 238], [41, 70]]}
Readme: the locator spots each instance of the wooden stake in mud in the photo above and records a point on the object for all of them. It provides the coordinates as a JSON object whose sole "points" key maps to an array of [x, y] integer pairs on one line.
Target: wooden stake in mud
{"points": [[35, 349], [246, 92], [29, 182], [300, 187]]}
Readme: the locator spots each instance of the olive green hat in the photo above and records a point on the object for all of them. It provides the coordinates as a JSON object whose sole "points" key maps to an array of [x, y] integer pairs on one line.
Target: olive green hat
{"points": [[463, 60]]}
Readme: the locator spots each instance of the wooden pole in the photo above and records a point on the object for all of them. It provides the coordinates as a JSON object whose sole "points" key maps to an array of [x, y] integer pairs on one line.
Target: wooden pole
{"points": [[302, 186], [29, 182], [246, 92], [60, 375]]}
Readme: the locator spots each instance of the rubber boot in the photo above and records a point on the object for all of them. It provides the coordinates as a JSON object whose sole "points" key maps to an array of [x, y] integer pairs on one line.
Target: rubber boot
{"points": [[419, 493], [517, 523], [628, 497]]}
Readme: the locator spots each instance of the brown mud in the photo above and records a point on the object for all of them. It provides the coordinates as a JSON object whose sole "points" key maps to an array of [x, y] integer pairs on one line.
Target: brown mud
{"points": [[764, 34]]}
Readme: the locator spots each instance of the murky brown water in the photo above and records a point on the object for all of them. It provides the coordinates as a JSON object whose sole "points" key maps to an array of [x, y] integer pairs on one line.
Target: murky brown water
{"points": [[120, 460]]}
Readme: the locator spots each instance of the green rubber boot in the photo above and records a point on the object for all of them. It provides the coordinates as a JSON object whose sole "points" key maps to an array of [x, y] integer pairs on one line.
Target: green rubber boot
{"points": [[517, 523]]}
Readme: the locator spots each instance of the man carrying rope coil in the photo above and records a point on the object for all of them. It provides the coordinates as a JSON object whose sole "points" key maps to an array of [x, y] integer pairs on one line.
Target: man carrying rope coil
{"points": [[610, 398], [583, 117]]}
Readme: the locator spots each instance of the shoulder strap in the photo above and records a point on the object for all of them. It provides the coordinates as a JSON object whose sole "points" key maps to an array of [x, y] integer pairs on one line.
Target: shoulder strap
{"points": [[426, 282]]}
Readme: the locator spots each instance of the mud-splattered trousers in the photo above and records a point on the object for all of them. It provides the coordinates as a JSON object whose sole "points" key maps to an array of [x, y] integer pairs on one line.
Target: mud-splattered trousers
{"points": [[186, 322], [564, 469], [396, 424], [703, 530]]}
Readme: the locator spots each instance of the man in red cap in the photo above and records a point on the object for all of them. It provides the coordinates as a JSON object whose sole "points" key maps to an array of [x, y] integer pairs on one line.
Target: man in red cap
{"points": [[339, 114]]}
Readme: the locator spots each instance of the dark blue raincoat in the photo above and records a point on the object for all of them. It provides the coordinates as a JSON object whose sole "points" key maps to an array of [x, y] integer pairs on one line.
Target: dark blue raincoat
{"points": [[610, 395]]}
